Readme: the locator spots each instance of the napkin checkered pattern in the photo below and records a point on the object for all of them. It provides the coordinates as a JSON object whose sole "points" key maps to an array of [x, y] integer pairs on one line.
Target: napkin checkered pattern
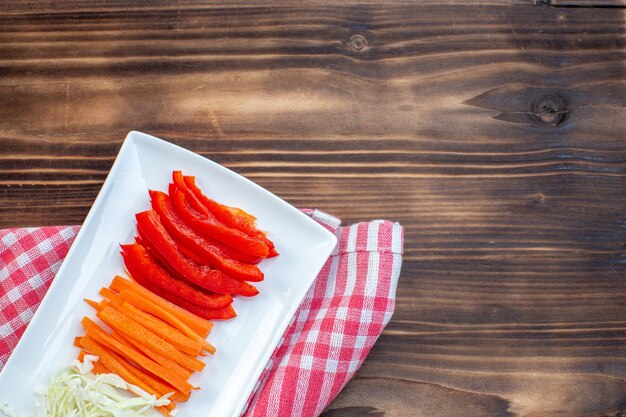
{"points": [[332, 332]]}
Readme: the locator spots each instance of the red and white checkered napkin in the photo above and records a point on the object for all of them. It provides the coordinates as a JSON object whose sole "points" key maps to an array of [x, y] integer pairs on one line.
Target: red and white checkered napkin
{"points": [[338, 322]]}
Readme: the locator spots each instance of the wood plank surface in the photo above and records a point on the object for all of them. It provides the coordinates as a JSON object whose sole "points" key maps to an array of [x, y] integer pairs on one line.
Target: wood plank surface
{"points": [[493, 131]]}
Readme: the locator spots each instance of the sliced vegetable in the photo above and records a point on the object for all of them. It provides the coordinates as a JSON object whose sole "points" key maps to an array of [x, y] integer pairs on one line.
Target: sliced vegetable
{"points": [[209, 226], [192, 200], [156, 384], [199, 325], [235, 218], [181, 372], [75, 391], [221, 314], [228, 250], [167, 317], [192, 344], [197, 248], [162, 329], [98, 334], [77, 342], [134, 330], [98, 367], [110, 295], [140, 263], [92, 303], [112, 362], [153, 231]]}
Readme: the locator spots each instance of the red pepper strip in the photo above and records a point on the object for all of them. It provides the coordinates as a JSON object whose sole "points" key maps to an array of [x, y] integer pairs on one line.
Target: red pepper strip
{"points": [[227, 287], [239, 212], [160, 260], [155, 234], [225, 215], [227, 250], [211, 227], [200, 260], [193, 202], [221, 314], [197, 248], [273, 252], [139, 263]]}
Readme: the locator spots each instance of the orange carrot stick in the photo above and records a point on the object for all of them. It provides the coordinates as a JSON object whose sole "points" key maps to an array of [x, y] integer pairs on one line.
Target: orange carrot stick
{"points": [[110, 295], [129, 327], [199, 325], [161, 329], [155, 382], [100, 336], [146, 387], [161, 360], [163, 314], [77, 343], [161, 387], [110, 360], [92, 303], [99, 368]]}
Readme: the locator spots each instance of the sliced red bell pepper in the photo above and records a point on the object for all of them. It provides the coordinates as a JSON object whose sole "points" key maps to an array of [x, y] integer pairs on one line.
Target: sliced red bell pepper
{"points": [[193, 202], [228, 215], [210, 227], [195, 247], [160, 260], [219, 314], [227, 250], [139, 263], [154, 233], [239, 212]]}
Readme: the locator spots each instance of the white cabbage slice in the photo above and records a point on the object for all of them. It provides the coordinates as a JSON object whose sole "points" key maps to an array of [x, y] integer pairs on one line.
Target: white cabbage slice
{"points": [[75, 392]]}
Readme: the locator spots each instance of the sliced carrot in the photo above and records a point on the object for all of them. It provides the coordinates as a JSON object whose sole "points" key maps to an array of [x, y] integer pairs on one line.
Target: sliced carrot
{"points": [[161, 328], [110, 360], [166, 316], [161, 360], [102, 337], [159, 386], [92, 303], [98, 306], [163, 410], [110, 295], [199, 325], [99, 368], [82, 353], [134, 330], [77, 343], [144, 385]]}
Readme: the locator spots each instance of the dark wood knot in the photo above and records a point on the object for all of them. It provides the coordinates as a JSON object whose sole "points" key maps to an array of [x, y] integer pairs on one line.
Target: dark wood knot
{"points": [[549, 110], [357, 42]]}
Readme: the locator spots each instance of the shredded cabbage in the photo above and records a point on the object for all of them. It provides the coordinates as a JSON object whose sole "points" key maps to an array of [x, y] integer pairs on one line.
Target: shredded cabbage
{"points": [[75, 392]]}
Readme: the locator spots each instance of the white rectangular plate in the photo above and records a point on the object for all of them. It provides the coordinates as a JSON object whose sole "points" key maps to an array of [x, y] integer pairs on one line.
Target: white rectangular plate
{"points": [[244, 344]]}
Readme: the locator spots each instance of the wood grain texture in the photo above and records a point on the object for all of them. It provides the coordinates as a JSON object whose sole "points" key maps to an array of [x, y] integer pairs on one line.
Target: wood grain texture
{"points": [[494, 132]]}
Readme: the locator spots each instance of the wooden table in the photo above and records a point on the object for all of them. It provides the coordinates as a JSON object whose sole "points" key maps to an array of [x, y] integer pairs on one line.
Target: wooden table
{"points": [[493, 130]]}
